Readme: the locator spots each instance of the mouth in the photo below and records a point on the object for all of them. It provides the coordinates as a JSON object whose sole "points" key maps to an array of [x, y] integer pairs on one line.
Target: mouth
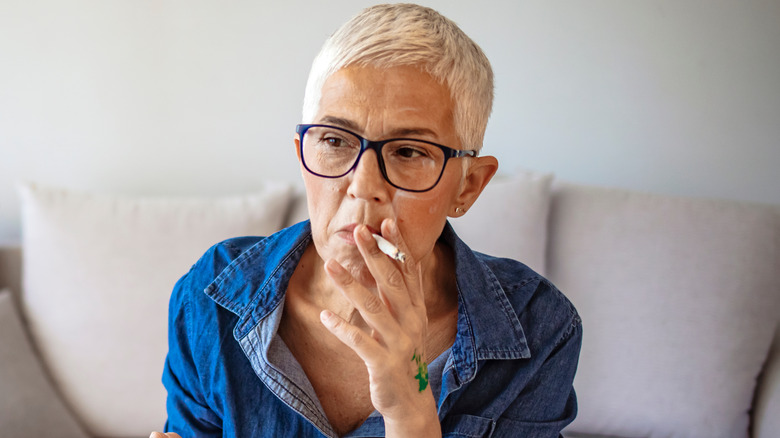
{"points": [[348, 232]]}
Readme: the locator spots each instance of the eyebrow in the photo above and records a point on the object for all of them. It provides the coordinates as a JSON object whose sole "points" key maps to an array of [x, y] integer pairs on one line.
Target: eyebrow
{"points": [[400, 132], [342, 123]]}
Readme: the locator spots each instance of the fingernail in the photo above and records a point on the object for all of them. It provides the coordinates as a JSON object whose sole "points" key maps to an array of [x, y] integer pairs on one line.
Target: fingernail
{"points": [[325, 316], [364, 233], [391, 225]]}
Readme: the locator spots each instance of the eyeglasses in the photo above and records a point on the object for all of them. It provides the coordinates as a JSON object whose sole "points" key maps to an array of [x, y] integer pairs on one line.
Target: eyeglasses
{"points": [[406, 163]]}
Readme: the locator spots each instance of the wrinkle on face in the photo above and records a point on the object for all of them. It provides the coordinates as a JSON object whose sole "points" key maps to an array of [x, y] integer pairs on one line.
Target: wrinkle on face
{"points": [[379, 104]]}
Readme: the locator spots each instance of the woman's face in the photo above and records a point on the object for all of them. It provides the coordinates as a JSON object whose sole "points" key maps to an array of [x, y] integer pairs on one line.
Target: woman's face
{"points": [[379, 104]]}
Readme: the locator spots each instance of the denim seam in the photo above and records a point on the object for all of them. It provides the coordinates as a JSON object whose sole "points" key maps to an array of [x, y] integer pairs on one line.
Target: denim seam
{"points": [[472, 367], [573, 326], [283, 388], [524, 283], [575, 319], [187, 308], [506, 306], [510, 314], [239, 262], [188, 317], [226, 273], [457, 433], [252, 304]]}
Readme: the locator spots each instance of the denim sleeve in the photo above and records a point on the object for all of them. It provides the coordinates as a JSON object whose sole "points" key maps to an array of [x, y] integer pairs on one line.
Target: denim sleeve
{"points": [[189, 414], [549, 396]]}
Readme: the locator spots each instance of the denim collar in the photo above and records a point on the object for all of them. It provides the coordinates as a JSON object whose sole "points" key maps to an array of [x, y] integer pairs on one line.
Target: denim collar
{"points": [[255, 282]]}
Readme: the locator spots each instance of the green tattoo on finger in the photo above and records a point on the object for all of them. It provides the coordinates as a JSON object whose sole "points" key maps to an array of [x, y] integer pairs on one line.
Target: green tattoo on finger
{"points": [[422, 371]]}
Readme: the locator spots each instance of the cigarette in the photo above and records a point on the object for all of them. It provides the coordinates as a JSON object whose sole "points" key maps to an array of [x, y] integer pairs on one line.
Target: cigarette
{"points": [[389, 249]]}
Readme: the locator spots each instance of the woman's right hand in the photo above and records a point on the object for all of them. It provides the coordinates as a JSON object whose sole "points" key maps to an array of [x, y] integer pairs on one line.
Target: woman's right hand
{"points": [[393, 347], [164, 435]]}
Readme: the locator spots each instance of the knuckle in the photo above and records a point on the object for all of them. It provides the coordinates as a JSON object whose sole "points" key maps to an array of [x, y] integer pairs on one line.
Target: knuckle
{"points": [[395, 279], [374, 251], [347, 280], [410, 268], [337, 323], [373, 304], [354, 337]]}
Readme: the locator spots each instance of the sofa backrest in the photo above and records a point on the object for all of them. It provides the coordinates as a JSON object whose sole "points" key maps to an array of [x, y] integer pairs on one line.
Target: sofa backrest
{"points": [[679, 300]]}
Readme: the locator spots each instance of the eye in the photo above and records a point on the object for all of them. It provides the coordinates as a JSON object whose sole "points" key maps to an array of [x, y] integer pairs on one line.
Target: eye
{"points": [[332, 140], [411, 151]]}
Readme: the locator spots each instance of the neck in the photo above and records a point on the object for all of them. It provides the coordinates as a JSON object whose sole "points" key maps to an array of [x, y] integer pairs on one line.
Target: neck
{"points": [[438, 274], [313, 285]]}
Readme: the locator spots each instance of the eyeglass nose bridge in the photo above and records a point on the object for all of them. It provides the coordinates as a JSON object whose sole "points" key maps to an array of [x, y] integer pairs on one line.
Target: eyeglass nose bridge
{"points": [[376, 146]]}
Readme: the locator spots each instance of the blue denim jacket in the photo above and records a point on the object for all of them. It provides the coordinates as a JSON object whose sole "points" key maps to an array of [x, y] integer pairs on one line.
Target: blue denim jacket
{"points": [[509, 372]]}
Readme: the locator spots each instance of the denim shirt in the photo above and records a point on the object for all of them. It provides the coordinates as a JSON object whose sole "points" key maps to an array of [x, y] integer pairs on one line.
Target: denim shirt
{"points": [[509, 372]]}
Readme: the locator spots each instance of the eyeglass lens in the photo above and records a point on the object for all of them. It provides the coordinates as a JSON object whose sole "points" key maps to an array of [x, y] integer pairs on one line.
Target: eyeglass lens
{"points": [[409, 164]]}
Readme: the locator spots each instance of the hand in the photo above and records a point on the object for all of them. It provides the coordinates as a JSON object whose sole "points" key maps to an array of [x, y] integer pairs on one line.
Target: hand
{"points": [[164, 435], [397, 317]]}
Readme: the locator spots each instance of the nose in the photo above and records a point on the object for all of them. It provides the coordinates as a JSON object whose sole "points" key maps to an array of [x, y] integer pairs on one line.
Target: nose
{"points": [[366, 180]]}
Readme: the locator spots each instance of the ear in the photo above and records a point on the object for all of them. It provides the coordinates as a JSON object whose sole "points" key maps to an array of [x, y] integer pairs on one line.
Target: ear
{"points": [[297, 141], [478, 175]]}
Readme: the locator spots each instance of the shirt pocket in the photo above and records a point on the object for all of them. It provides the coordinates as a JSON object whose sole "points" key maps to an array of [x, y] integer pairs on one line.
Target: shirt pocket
{"points": [[472, 426], [467, 426]]}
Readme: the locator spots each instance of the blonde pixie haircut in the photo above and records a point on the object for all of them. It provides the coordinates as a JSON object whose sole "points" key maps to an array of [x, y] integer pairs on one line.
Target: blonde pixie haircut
{"points": [[392, 35]]}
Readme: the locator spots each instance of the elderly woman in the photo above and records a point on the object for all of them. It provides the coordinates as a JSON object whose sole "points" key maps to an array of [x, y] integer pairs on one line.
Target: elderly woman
{"points": [[373, 318]]}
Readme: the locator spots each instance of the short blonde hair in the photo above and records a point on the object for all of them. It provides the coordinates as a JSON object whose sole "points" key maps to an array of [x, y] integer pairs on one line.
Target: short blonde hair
{"points": [[385, 36]]}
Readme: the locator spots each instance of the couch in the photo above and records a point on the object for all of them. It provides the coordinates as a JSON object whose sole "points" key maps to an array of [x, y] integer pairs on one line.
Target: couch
{"points": [[680, 301]]}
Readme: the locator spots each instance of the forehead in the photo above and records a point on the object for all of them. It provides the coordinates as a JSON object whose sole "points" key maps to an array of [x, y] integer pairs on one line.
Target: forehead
{"points": [[375, 100]]}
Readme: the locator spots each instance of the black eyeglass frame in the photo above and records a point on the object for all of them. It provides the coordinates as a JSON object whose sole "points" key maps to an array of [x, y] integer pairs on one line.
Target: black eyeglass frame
{"points": [[376, 146]]}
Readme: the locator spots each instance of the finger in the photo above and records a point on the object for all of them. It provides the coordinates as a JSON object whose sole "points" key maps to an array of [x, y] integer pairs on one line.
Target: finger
{"points": [[399, 294], [412, 269], [390, 231], [363, 344], [373, 310], [388, 276], [413, 273]]}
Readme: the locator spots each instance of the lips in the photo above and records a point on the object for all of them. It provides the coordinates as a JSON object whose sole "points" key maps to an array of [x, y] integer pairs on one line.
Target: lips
{"points": [[348, 232]]}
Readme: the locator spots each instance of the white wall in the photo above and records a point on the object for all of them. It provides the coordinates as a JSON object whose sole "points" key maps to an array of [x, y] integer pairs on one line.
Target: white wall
{"points": [[201, 97]]}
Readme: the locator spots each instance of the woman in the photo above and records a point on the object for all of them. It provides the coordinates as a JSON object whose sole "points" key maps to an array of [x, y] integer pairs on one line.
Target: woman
{"points": [[320, 329]]}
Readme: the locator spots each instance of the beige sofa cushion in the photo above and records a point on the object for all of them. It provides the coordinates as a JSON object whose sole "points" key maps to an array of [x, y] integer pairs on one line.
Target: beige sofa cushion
{"points": [[98, 272], [679, 301], [510, 219]]}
